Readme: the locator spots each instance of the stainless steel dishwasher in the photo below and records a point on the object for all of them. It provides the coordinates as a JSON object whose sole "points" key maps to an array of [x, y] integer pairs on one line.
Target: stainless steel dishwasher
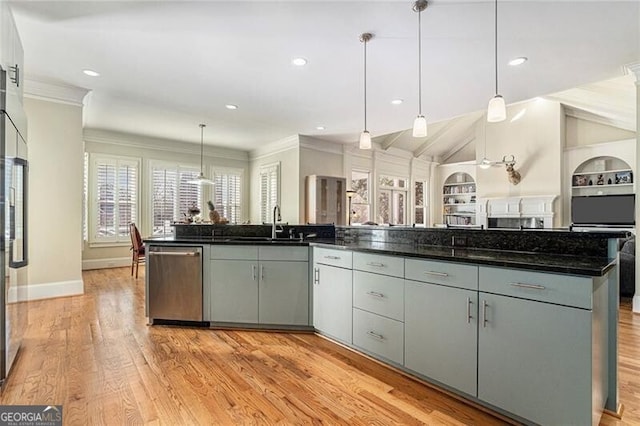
{"points": [[175, 283]]}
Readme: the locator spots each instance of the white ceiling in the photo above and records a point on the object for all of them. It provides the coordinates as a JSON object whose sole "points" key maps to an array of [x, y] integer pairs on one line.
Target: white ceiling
{"points": [[168, 66]]}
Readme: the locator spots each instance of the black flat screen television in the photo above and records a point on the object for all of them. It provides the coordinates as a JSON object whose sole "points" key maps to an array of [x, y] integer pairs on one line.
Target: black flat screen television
{"points": [[612, 210]]}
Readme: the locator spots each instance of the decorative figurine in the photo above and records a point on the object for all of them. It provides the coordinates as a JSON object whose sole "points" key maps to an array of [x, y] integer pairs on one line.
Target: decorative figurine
{"points": [[600, 180]]}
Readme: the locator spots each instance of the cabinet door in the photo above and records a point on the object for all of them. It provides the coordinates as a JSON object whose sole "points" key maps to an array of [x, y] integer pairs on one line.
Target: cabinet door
{"points": [[332, 302], [234, 291], [534, 359], [441, 334], [284, 293]]}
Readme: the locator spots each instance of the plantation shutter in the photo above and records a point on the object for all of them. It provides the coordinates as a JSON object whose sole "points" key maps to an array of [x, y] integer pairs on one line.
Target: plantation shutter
{"points": [[227, 195], [269, 194], [172, 195], [105, 227]]}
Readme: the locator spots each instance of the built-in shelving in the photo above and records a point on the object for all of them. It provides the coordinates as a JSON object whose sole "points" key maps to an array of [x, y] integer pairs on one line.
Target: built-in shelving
{"points": [[459, 200], [602, 176]]}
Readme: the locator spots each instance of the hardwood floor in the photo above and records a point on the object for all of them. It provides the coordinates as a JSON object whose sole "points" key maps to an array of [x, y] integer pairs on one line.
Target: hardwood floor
{"points": [[95, 355]]}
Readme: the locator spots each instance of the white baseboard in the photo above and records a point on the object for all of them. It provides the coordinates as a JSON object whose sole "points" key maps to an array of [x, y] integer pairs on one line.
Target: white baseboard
{"points": [[636, 303], [57, 289], [116, 262]]}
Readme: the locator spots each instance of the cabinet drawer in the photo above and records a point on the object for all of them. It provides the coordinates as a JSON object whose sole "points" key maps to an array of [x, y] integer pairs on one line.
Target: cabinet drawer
{"points": [[553, 288], [379, 294], [379, 264], [234, 252], [339, 258], [284, 253], [379, 335], [447, 273]]}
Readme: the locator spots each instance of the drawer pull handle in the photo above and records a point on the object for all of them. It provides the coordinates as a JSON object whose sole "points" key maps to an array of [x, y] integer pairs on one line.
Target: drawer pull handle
{"points": [[332, 257], [253, 272], [261, 272], [469, 310], [376, 264], [375, 335], [437, 274], [375, 294], [484, 313], [533, 286], [316, 275]]}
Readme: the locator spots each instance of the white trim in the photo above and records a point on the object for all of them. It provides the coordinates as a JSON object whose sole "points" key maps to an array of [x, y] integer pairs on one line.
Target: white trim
{"points": [[114, 262], [276, 147], [320, 145], [636, 303], [600, 145], [632, 68], [158, 144], [55, 289], [54, 91]]}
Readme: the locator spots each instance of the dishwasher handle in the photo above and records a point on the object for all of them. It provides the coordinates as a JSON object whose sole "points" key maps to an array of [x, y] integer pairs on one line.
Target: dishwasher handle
{"points": [[174, 253]]}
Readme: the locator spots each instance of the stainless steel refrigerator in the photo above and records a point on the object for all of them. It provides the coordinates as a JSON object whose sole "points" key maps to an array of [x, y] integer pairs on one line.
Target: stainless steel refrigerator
{"points": [[13, 221]]}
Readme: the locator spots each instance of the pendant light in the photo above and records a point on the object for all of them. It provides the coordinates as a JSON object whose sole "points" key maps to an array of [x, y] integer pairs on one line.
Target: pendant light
{"points": [[201, 180], [365, 137], [420, 123], [497, 110]]}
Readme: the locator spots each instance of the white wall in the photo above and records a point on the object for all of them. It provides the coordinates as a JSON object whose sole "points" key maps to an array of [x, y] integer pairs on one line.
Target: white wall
{"points": [[582, 132], [147, 150], [287, 153], [55, 198]]}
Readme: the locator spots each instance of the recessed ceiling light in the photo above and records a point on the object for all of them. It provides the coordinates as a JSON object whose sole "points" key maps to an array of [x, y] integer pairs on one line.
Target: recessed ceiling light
{"points": [[231, 106], [91, 73], [397, 101], [320, 128], [299, 62], [518, 61]]}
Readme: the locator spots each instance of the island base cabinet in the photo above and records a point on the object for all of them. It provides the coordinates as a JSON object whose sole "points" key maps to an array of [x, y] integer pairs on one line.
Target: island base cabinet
{"points": [[534, 360], [379, 335], [234, 291], [332, 302], [441, 334], [284, 293]]}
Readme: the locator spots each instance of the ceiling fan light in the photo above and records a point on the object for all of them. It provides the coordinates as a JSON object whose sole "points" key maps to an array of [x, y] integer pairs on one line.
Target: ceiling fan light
{"points": [[420, 127], [497, 110], [365, 140], [485, 164]]}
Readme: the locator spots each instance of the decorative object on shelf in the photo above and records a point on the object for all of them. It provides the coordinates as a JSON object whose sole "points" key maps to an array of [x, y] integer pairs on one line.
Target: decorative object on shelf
{"points": [[580, 180], [214, 216], [420, 123], [624, 177], [609, 181], [201, 179], [365, 136], [497, 110], [600, 180], [514, 175], [590, 182]]}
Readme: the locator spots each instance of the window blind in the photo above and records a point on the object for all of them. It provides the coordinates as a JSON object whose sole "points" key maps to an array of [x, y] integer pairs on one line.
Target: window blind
{"points": [[269, 184], [228, 194], [172, 195]]}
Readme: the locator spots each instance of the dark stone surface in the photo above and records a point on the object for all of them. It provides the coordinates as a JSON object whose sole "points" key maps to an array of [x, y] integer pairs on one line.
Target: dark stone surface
{"points": [[208, 230]]}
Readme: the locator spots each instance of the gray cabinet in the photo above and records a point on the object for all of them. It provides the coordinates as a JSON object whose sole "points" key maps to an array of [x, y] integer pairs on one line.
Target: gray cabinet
{"points": [[265, 285], [441, 334], [326, 199], [333, 293], [541, 354]]}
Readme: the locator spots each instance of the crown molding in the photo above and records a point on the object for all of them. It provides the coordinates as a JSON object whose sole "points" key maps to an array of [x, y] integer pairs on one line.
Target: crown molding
{"points": [[166, 145], [320, 145], [633, 68], [54, 91], [276, 147]]}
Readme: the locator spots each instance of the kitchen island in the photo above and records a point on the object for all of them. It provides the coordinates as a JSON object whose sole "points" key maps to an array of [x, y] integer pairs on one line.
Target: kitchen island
{"points": [[529, 331]]}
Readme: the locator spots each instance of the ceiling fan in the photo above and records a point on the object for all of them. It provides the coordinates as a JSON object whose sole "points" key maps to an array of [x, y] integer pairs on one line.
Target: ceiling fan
{"points": [[507, 160]]}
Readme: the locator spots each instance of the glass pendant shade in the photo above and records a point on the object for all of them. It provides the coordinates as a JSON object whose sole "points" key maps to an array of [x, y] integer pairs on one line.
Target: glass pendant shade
{"points": [[365, 140], [420, 127], [497, 110]]}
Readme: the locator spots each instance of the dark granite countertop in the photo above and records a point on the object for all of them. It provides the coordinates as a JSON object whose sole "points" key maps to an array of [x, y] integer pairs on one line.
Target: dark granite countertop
{"points": [[565, 264], [574, 265]]}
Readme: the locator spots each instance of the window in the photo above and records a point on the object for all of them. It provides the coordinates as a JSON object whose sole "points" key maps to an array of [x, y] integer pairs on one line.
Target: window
{"points": [[420, 204], [172, 195], [360, 205], [392, 200], [269, 190], [115, 183], [227, 196]]}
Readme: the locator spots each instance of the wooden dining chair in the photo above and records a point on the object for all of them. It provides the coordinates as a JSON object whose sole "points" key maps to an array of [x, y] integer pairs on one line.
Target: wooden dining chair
{"points": [[137, 248]]}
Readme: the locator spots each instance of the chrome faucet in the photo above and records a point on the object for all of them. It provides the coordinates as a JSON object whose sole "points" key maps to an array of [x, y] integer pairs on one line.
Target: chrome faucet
{"points": [[276, 210]]}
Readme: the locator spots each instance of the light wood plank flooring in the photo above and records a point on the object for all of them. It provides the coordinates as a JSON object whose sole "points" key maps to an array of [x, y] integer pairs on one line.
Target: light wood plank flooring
{"points": [[95, 355]]}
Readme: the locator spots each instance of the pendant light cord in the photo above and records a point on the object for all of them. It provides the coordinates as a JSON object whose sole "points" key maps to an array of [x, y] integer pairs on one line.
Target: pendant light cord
{"points": [[365, 84], [496, 43], [419, 63]]}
